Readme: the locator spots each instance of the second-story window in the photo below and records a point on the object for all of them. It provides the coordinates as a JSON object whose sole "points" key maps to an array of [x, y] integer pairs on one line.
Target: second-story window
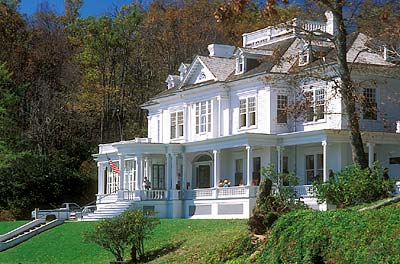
{"points": [[315, 104], [281, 109], [203, 117], [177, 125], [247, 112], [370, 106]]}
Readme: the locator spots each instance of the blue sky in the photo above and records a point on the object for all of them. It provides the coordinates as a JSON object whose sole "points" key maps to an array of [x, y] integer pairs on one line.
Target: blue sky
{"points": [[90, 7]]}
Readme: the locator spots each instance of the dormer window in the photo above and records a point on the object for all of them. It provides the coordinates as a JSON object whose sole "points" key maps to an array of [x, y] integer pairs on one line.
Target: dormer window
{"points": [[304, 57], [240, 64]]}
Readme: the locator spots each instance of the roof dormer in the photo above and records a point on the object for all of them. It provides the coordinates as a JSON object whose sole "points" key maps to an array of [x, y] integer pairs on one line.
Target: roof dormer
{"points": [[391, 55], [248, 59], [183, 68], [172, 81], [305, 55]]}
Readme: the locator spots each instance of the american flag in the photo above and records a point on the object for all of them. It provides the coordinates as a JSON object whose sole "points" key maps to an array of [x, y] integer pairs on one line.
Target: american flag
{"points": [[114, 167]]}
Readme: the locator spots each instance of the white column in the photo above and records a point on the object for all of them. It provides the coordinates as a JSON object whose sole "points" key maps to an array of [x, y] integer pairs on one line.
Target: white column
{"points": [[219, 117], [249, 167], [184, 179], [217, 166], [121, 171], [150, 170], [279, 162], [167, 172], [185, 122], [100, 178], [371, 151], [139, 164], [324, 159], [174, 171]]}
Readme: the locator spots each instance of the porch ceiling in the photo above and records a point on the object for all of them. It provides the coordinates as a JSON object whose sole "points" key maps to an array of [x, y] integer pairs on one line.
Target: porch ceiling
{"points": [[336, 136]]}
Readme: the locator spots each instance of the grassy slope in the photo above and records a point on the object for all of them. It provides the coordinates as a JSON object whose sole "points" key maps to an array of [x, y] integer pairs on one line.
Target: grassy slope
{"points": [[339, 236], [8, 226], [184, 240]]}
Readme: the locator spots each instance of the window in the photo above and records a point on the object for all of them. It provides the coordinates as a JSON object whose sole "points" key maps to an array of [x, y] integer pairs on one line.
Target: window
{"points": [[247, 112], [240, 64], [203, 117], [158, 179], [282, 109], [304, 57], [314, 167], [130, 173], [256, 171], [369, 107], [394, 160], [315, 104], [177, 125], [239, 172]]}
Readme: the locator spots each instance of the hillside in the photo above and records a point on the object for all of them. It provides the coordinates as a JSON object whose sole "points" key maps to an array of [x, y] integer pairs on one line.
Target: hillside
{"points": [[173, 241]]}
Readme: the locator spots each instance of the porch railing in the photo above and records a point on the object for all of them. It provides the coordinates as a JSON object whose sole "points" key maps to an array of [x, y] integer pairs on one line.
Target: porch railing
{"points": [[304, 191], [153, 194], [221, 193]]}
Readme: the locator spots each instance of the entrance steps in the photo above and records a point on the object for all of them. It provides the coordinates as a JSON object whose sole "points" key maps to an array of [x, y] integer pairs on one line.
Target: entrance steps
{"points": [[107, 210], [25, 232]]}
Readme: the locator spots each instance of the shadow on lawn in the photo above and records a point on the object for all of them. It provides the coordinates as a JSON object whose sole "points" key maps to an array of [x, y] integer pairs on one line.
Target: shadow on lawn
{"points": [[168, 248]]}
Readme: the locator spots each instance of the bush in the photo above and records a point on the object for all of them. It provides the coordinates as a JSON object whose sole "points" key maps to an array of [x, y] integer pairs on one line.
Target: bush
{"points": [[126, 230], [337, 236], [353, 186], [6, 215], [271, 204]]}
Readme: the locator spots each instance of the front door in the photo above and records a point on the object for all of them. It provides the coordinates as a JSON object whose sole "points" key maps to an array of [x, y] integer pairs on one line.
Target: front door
{"points": [[203, 175]]}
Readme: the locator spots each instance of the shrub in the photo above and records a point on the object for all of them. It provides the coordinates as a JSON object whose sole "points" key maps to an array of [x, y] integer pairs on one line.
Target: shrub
{"points": [[353, 186], [6, 215], [337, 236], [126, 230], [272, 203]]}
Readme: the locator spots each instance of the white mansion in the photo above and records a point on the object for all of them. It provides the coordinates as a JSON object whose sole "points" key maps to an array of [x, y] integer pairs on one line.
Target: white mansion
{"points": [[225, 116]]}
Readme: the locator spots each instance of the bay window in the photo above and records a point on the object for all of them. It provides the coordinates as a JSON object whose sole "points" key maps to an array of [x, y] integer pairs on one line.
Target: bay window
{"points": [[282, 109], [315, 104]]}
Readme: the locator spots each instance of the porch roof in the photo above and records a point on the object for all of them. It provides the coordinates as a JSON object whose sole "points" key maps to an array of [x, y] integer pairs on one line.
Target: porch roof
{"points": [[251, 139]]}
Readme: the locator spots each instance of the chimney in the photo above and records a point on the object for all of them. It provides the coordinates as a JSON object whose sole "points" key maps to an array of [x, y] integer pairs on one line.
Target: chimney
{"points": [[331, 23], [221, 51]]}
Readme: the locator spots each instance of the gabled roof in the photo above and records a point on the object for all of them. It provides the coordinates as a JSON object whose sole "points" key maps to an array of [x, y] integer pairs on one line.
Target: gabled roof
{"points": [[221, 68]]}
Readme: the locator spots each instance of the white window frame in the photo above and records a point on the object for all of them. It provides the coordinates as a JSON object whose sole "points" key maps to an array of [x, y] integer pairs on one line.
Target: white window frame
{"points": [[203, 117], [370, 97], [246, 111], [316, 95], [240, 64], [176, 125], [281, 108], [317, 171]]}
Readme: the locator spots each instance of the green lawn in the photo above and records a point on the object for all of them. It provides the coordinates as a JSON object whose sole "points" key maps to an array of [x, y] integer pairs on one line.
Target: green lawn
{"points": [[173, 241], [8, 226]]}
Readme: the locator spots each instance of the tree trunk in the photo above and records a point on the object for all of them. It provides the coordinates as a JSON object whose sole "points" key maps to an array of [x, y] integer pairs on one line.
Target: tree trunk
{"points": [[347, 90], [133, 254]]}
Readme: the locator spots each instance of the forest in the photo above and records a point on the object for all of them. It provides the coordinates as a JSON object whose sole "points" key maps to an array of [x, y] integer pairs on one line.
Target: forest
{"points": [[69, 83]]}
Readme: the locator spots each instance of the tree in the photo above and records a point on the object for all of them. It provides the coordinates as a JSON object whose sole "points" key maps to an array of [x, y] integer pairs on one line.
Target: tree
{"points": [[129, 229], [275, 198]]}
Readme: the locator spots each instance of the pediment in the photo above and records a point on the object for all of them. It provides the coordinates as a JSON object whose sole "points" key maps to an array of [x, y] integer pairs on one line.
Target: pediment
{"points": [[198, 73]]}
